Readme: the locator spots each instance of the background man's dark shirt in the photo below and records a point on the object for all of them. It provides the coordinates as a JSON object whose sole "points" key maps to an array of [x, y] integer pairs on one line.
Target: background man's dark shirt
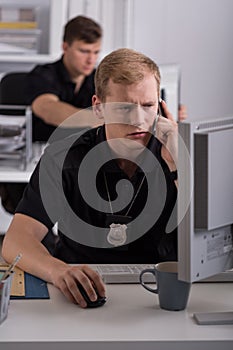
{"points": [[53, 78]]}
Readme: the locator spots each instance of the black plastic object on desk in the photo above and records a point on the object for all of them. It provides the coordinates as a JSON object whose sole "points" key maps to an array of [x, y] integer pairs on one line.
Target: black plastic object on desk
{"points": [[91, 304]]}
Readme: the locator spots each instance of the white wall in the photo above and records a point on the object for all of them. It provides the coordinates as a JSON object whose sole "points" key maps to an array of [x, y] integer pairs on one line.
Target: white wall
{"points": [[198, 34]]}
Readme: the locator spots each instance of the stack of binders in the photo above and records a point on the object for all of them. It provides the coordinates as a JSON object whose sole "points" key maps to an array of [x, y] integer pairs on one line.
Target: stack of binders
{"points": [[15, 137]]}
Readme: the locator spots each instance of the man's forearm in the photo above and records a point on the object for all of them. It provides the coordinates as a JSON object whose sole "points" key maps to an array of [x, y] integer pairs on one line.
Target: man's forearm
{"points": [[35, 259], [55, 112]]}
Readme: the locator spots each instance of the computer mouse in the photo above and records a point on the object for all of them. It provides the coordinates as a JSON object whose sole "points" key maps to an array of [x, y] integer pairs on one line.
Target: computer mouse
{"points": [[100, 301]]}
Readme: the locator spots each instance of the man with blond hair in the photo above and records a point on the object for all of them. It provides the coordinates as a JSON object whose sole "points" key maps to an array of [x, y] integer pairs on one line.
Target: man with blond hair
{"points": [[112, 189]]}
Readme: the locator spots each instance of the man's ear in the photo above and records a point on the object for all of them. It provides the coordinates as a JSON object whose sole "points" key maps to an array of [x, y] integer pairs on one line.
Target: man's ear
{"points": [[97, 107], [64, 46]]}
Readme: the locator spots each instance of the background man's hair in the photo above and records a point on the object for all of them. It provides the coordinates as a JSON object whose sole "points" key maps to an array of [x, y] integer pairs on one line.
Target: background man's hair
{"points": [[82, 28]]}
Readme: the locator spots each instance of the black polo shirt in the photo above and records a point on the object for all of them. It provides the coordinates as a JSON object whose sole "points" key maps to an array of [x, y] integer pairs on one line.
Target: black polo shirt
{"points": [[53, 78], [152, 246]]}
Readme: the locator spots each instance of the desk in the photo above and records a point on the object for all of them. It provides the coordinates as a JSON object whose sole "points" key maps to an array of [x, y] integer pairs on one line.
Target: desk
{"points": [[13, 174], [131, 319]]}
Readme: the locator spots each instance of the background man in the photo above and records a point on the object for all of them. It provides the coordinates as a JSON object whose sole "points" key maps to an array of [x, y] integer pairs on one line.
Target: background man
{"points": [[59, 89]]}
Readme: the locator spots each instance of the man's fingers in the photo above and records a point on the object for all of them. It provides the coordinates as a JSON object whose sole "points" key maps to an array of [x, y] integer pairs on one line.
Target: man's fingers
{"points": [[168, 114]]}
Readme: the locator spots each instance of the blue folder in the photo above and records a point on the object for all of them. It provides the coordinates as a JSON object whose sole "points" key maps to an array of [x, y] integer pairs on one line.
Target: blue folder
{"points": [[35, 288]]}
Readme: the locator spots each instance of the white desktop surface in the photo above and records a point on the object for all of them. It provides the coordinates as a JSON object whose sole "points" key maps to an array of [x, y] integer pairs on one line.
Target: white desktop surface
{"points": [[12, 173], [130, 319]]}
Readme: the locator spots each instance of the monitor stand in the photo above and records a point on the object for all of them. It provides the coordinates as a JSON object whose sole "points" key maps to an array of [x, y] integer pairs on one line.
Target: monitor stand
{"points": [[214, 318]]}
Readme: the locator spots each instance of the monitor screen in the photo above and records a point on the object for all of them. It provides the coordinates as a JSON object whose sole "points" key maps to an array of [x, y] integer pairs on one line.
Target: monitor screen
{"points": [[170, 86], [205, 199]]}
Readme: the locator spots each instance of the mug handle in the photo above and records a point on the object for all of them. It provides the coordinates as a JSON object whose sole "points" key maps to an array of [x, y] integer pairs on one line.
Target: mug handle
{"points": [[143, 283]]}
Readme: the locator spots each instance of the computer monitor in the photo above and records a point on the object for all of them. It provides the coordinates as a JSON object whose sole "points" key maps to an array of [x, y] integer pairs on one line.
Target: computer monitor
{"points": [[205, 204], [170, 86], [205, 199]]}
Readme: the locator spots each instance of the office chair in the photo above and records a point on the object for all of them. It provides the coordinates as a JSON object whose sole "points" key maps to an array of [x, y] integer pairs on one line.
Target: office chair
{"points": [[13, 92], [12, 89], [13, 101]]}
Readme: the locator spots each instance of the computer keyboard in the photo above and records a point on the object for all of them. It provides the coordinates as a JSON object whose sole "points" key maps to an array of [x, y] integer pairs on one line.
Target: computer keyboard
{"points": [[124, 273], [129, 273]]}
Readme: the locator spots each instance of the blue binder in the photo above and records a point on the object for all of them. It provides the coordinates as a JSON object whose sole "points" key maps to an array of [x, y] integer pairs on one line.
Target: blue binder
{"points": [[35, 288]]}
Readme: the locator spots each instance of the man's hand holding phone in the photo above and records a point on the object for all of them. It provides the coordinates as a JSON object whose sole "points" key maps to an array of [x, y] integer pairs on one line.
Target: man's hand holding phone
{"points": [[167, 133]]}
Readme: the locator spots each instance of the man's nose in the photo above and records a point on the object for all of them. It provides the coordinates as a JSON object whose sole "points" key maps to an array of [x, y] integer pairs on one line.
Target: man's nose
{"points": [[91, 58], [138, 116]]}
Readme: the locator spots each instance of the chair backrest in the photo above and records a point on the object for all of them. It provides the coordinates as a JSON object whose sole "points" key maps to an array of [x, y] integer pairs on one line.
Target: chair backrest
{"points": [[12, 88]]}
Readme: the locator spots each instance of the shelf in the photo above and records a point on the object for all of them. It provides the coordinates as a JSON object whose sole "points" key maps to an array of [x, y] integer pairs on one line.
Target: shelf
{"points": [[56, 16], [36, 58]]}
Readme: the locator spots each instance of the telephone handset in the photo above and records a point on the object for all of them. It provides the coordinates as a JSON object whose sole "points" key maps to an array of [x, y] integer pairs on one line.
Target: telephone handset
{"points": [[160, 112], [161, 109]]}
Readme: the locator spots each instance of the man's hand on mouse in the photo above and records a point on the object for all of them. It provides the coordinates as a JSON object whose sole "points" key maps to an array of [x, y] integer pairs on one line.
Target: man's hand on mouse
{"points": [[66, 278]]}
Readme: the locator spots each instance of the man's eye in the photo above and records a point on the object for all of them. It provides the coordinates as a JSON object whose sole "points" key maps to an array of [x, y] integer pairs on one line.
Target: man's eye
{"points": [[148, 106], [124, 109], [83, 51]]}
